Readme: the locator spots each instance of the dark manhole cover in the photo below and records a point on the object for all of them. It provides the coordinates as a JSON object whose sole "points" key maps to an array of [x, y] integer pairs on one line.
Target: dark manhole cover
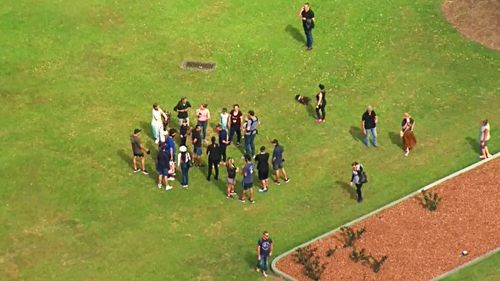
{"points": [[198, 65]]}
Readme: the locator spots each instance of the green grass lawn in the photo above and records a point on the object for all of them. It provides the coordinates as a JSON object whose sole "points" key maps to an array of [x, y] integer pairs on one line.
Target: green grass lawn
{"points": [[76, 77], [485, 270]]}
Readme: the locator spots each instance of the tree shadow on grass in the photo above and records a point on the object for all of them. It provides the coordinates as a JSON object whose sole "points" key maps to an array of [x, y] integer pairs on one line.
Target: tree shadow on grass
{"points": [[347, 188], [356, 133], [396, 139], [127, 158], [295, 33], [474, 143]]}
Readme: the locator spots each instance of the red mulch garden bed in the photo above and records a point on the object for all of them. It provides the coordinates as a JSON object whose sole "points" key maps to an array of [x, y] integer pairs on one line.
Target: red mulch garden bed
{"points": [[420, 244]]}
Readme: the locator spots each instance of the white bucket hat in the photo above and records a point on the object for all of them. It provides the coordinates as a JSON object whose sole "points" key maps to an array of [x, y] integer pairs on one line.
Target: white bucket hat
{"points": [[183, 149]]}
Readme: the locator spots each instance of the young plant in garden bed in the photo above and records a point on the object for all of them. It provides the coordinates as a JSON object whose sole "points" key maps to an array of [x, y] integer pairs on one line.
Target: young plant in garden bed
{"points": [[350, 236], [312, 266], [430, 200], [376, 264], [330, 252], [358, 256]]}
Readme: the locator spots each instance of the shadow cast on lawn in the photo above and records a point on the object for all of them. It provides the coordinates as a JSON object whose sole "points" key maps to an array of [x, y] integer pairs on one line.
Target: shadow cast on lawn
{"points": [[295, 33], [396, 139], [127, 158], [146, 129], [474, 144], [311, 110], [347, 188], [356, 133]]}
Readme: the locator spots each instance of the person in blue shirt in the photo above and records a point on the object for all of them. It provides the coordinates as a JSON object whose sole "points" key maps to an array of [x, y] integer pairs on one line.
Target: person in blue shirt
{"points": [[264, 251], [170, 149], [247, 180], [278, 163]]}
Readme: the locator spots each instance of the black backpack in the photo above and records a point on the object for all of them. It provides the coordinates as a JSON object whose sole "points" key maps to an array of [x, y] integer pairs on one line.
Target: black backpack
{"points": [[363, 178]]}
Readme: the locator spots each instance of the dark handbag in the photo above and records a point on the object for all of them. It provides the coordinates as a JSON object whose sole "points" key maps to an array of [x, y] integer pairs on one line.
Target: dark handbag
{"points": [[309, 24], [363, 178]]}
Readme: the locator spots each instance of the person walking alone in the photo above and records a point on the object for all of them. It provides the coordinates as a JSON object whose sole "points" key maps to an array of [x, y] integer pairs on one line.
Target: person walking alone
{"points": [[321, 104], [264, 251], [369, 121], [484, 137], [184, 163], [358, 178], [308, 23], [213, 152], [409, 140], [251, 124]]}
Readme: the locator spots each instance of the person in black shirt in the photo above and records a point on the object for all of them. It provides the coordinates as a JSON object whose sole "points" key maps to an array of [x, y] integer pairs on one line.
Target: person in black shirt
{"points": [[321, 104], [183, 131], [182, 108], [369, 125], [213, 152], [231, 177], [264, 251], [235, 122], [262, 160], [196, 141], [308, 21], [223, 142], [358, 178]]}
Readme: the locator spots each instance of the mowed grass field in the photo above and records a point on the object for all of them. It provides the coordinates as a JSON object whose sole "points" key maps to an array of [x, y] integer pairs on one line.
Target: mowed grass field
{"points": [[486, 270], [76, 77]]}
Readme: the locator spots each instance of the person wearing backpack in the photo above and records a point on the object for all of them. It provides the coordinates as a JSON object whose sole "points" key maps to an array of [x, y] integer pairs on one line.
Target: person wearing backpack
{"points": [[184, 163], [308, 22], [358, 178], [251, 124]]}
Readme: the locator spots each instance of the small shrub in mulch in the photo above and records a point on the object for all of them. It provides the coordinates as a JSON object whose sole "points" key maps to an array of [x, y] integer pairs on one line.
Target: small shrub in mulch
{"points": [[358, 256], [430, 200], [306, 256], [376, 264], [330, 252], [350, 236]]}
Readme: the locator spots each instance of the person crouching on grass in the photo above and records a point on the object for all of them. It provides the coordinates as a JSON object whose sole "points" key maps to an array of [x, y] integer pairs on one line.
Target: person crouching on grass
{"points": [[247, 180], [264, 251], [262, 160], [231, 177], [138, 151]]}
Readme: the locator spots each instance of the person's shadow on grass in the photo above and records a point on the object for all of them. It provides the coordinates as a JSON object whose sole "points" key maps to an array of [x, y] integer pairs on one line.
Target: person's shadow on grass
{"points": [[220, 183], [396, 139], [127, 158], [356, 133], [295, 33], [474, 143], [311, 110], [146, 129], [347, 188]]}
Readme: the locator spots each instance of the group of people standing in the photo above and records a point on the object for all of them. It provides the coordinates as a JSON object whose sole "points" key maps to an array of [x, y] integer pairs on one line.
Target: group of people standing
{"points": [[231, 127]]}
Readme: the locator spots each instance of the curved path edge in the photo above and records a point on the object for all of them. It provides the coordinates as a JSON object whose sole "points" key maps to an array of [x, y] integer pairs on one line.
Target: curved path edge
{"points": [[464, 170]]}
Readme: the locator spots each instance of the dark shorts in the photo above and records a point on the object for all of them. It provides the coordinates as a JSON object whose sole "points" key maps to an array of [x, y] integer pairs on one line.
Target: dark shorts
{"points": [[162, 172], [278, 165], [197, 150], [139, 154], [263, 175], [247, 185]]}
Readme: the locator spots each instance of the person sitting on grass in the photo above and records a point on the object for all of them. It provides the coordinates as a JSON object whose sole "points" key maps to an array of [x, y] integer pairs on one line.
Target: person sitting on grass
{"points": [[231, 177], [247, 180], [484, 137], [358, 178], [262, 160], [137, 151], [264, 251]]}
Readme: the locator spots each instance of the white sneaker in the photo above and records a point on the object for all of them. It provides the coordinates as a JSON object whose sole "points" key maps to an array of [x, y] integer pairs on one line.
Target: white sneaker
{"points": [[168, 187], [160, 186], [171, 179], [185, 186]]}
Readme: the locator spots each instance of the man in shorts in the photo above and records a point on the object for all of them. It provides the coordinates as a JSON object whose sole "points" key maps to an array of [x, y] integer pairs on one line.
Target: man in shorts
{"points": [[247, 180], [162, 167], [196, 140], [278, 163], [138, 151], [262, 161]]}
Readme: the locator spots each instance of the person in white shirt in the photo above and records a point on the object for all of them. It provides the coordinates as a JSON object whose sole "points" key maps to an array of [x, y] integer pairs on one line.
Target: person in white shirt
{"points": [[224, 118], [484, 137], [157, 122]]}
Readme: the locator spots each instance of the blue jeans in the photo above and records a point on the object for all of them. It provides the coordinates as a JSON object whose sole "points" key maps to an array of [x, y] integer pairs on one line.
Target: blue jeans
{"points": [[309, 37], [249, 145], [184, 172], [373, 132], [203, 125], [262, 264]]}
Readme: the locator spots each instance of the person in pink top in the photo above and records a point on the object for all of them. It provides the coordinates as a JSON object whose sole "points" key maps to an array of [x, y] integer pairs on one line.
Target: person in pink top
{"points": [[203, 115]]}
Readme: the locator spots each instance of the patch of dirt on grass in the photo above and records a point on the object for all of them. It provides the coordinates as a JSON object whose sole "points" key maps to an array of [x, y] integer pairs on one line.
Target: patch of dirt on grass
{"points": [[419, 243], [478, 20]]}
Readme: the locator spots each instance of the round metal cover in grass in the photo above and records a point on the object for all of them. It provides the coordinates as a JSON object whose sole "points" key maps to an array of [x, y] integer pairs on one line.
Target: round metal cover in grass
{"points": [[198, 65]]}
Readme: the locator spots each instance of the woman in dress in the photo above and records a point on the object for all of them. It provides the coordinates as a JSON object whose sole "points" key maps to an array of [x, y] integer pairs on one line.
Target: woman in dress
{"points": [[407, 126], [157, 121], [484, 137]]}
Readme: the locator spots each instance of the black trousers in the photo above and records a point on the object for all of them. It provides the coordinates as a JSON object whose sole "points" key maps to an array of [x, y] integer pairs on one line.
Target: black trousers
{"points": [[183, 141], [213, 163], [358, 191], [222, 151], [322, 109], [236, 130]]}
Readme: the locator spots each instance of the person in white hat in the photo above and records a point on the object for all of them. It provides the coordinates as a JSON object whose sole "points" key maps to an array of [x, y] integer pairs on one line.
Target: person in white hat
{"points": [[184, 162]]}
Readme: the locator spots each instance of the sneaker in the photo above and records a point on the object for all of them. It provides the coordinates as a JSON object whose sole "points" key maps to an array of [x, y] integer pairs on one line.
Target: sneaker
{"points": [[252, 201], [171, 178], [257, 269], [262, 190], [238, 143], [168, 187], [136, 170], [323, 120], [234, 193], [287, 180], [145, 172], [242, 200], [185, 186], [277, 182], [318, 120], [264, 273], [406, 153], [160, 186]]}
